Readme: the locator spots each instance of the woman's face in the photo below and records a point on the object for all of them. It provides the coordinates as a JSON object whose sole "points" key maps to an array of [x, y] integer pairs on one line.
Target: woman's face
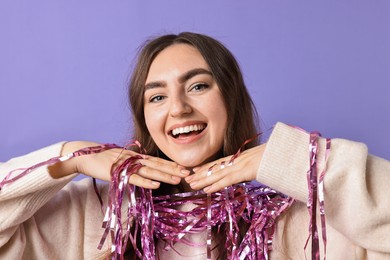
{"points": [[183, 107]]}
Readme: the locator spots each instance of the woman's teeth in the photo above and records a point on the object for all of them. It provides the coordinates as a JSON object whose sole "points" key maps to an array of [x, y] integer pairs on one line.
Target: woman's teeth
{"points": [[187, 129]]}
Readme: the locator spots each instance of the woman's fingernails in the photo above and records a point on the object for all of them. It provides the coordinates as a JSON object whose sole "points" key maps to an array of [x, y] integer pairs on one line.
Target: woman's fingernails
{"points": [[189, 178], [184, 172], [195, 169], [175, 178], [207, 189], [155, 183], [192, 184]]}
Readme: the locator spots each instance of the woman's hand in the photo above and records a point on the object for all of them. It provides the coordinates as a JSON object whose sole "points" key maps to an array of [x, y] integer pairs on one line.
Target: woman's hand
{"points": [[100, 165], [244, 168]]}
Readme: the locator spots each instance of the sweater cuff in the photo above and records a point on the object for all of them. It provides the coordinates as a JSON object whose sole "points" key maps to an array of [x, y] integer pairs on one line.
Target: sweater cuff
{"points": [[37, 179], [286, 161]]}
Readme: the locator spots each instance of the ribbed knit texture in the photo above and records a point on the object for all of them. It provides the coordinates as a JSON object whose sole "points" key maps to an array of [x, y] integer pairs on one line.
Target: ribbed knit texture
{"points": [[46, 218]]}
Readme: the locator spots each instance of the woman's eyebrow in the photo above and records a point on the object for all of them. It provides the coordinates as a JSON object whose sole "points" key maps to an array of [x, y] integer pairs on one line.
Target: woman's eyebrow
{"points": [[192, 73], [154, 84], [183, 78]]}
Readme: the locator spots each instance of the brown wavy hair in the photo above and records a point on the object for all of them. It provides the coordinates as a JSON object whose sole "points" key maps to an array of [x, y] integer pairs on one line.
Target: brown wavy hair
{"points": [[241, 113]]}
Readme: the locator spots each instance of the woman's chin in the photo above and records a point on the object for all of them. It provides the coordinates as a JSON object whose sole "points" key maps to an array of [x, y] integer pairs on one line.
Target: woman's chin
{"points": [[193, 162], [189, 161]]}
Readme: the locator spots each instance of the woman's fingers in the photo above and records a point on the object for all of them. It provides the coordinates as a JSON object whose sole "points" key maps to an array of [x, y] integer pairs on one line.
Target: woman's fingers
{"points": [[219, 174], [222, 183], [205, 179], [139, 181], [205, 170], [152, 172], [158, 175], [154, 169], [165, 166]]}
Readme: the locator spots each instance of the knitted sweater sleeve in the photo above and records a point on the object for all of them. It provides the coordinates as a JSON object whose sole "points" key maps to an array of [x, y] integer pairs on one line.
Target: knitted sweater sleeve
{"points": [[46, 218], [20, 199], [357, 185]]}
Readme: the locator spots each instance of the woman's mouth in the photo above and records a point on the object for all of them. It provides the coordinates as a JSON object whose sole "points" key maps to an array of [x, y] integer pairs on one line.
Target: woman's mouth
{"points": [[187, 131]]}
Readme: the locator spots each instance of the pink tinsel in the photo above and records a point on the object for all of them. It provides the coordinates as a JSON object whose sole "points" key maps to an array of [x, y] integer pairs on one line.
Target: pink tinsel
{"points": [[157, 217]]}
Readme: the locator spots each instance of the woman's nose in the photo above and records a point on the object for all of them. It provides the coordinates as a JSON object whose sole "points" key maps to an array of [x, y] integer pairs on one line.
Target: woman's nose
{"points": [[179, 107]]}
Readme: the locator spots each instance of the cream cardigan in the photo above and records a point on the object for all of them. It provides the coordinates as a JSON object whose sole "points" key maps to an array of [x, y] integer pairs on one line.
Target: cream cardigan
{"points": [[45, 218]]}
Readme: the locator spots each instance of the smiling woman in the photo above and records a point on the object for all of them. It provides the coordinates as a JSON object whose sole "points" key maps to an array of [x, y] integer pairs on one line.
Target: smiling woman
{"points": [[218, 67], [187, 97], [196, 121]]}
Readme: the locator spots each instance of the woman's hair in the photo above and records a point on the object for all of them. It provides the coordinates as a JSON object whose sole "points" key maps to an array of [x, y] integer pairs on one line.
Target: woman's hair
{"points": [[241, 113]]}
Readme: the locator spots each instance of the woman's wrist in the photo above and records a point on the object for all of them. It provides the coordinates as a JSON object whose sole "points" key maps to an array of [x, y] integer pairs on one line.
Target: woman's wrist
{"points": [[73, 146], [68, 167]]}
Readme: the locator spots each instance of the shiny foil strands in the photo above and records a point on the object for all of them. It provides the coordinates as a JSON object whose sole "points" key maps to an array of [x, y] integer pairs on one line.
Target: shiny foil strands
{"points": [[9, 178], [133, 214], [158, 218], [316, 193], [253, 203]]}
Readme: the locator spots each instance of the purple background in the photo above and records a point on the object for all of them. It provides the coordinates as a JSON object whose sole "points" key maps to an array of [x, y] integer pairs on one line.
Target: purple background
{"points": [[64, 65]]}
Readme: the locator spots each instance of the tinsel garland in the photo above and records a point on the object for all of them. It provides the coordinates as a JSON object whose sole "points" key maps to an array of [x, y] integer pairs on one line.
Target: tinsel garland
{"points": [[157, 217]]}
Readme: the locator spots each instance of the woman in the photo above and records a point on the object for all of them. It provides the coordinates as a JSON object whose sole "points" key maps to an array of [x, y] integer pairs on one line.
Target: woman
{"points": [[191, 111]]}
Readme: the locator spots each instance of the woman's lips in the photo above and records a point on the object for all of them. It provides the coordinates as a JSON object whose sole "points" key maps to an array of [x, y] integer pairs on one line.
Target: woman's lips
{"points": [[187, 129], [186, 136]]}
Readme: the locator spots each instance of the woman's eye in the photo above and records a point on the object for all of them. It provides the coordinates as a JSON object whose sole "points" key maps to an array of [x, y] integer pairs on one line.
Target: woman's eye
{"points": [[199, 87], [156, 99]]}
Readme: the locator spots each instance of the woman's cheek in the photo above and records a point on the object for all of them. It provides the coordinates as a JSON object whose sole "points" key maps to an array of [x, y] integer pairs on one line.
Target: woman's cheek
{"points": [[155, 122]]}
